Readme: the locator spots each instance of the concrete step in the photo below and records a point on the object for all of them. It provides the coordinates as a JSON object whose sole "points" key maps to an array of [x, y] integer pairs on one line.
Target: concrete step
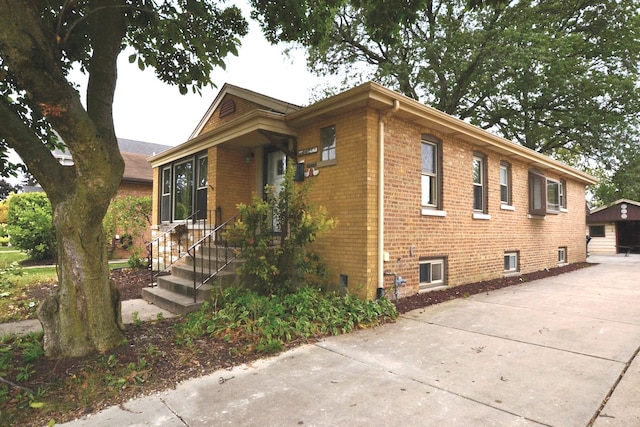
{"points": [[170, 301], [222, 278], [184, 286]]}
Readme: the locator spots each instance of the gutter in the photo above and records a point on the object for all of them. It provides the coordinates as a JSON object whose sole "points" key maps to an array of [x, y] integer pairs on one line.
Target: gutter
{"points": [[381, 120]]}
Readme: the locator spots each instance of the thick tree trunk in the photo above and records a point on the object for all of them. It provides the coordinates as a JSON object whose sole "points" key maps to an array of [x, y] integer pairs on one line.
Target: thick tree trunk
{"points": [[75, 318]]}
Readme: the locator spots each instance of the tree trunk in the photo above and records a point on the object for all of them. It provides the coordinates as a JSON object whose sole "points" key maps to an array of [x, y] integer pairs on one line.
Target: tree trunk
{"points": [[75, 318]]}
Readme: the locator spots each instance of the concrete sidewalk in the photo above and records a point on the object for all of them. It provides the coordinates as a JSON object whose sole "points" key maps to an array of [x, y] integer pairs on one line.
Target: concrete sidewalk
{"points": [[555, 352], [131, 310]]}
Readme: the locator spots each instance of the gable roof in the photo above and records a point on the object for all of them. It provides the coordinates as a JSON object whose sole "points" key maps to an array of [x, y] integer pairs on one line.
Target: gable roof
{"points": [[270, 104], [614, 211], [140, 147], [136, 168]]}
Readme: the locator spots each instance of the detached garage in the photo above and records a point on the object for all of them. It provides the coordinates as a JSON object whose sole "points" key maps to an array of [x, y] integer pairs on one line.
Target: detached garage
{"points": [[615, 228]]}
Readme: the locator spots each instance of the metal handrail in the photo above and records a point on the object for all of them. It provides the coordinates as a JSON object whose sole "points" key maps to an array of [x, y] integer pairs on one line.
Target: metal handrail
{"points": [[210, 267], [166, 238]]}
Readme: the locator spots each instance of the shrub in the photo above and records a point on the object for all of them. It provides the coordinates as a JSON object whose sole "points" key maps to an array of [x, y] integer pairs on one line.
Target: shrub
{"points": [[129, 216], [273, 235], [30, 225], [265, 324]]}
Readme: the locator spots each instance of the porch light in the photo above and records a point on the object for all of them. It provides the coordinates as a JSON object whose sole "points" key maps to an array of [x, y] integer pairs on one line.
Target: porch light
{"points": [[249, 157]]}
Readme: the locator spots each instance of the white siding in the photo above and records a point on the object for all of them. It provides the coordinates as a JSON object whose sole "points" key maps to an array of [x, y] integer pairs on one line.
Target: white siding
{"points": [[603, 245]]}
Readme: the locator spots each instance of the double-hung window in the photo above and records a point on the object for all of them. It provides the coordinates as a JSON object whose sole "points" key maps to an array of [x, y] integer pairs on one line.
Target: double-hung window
{"points": [[505, 184], [429, 174], [479, 190], [328, 140]]}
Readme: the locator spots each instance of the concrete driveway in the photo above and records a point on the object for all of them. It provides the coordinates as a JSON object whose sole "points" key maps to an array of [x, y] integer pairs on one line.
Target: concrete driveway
{"points": [[554, 352]]}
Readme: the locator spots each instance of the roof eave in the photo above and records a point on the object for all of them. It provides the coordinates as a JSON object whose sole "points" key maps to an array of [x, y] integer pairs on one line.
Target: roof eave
{"points": [[380, 98]]}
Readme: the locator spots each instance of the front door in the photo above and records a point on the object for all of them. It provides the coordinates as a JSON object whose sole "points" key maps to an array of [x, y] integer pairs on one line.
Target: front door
{"points": [[276, 163], [275, 167]]}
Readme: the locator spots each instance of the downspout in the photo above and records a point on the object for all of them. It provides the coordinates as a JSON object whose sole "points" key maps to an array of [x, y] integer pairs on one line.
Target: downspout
{"points": [[381, 120]]}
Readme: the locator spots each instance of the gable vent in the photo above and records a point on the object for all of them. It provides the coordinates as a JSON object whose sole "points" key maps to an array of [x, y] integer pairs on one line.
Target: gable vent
{"points": [[227, 107]]}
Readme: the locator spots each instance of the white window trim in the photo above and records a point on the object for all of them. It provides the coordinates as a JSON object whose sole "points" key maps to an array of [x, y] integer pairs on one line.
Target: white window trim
{"points": [[507, 207], [433, 212], [482, 216]]}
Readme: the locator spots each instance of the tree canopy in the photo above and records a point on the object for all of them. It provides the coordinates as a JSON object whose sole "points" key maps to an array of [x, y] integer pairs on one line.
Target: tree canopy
{"points": [[557, 76]]}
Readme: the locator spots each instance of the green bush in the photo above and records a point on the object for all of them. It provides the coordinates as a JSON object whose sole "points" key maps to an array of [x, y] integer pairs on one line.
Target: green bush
{"points": [[265, 324], [30, 225], [273, 235], [130, 216]]}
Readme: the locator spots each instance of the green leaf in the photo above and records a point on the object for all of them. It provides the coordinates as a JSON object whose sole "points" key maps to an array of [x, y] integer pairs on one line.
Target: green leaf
{"points": [[132, 58], [37, 405]]}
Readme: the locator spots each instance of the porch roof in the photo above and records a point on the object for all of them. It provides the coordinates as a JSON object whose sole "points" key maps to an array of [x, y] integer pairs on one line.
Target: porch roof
{"points": [[245, 131]]}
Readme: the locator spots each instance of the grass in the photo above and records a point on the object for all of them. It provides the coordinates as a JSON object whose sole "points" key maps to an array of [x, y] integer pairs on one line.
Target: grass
{"points": [[15, 283], [9, 255]]}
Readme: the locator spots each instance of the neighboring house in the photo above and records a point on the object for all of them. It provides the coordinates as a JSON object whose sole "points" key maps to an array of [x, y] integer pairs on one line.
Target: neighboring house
{"points": [[137, 179], [615, 228], [415, 191]]}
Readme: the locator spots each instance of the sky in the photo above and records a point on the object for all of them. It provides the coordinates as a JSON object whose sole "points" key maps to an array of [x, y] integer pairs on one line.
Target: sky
{"points": [[146, 109]]}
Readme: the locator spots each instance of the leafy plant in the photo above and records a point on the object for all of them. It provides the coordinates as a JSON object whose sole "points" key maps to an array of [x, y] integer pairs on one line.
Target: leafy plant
{"points": [[29, 223], [265, 324], [129, 216], [274, 234]]}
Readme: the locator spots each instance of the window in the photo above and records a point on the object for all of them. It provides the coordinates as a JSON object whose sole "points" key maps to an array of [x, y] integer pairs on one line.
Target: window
{"points": [[505, 183], [537, 194], [511, 262], [165, 197], [562, 255], [431, 273], [553, 196], [562, 194], [479, 199], [596, 231], [546, 195], [328, 139], [429, 174], [183, 190]]}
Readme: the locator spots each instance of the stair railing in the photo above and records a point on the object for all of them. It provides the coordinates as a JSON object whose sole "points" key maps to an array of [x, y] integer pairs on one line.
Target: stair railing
{"points": [[173, 250], [214, 255]]}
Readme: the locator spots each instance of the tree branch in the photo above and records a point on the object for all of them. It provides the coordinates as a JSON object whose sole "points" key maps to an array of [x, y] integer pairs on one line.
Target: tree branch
{"points": [[33, 152]]}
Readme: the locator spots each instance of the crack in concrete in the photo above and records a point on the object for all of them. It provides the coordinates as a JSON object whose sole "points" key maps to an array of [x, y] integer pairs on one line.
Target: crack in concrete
{"points": [[612, 390]]}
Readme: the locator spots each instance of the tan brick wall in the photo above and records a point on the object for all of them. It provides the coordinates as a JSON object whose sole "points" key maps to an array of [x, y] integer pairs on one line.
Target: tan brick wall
{"points": [[473, 248], [155, 193], [235, 180], [347, 189]]}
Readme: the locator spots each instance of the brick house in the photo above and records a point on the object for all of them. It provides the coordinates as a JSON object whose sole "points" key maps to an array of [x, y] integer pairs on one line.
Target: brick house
{"points": [[415, 191]]}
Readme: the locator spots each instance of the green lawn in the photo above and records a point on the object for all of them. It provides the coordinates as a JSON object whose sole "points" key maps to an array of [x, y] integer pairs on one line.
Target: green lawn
{"points": [[9, 255], [15, 282]]}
